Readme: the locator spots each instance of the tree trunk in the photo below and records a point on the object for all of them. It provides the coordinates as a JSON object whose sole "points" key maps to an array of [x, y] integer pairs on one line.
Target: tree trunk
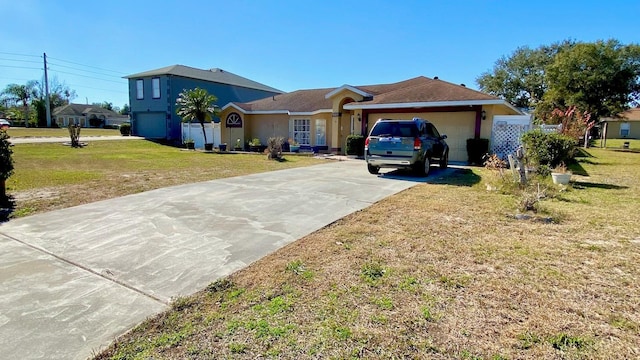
{"points": [[204, 133]]}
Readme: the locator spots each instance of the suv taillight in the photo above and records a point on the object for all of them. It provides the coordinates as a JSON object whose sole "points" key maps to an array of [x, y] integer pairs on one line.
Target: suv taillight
{"points": [[417, 144], [366, 142]]}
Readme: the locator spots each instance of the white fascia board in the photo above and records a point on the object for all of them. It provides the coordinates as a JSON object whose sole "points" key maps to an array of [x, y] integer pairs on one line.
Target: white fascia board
{"points": [[347, 87], [311, 113], [356, 106], [235, 107]]}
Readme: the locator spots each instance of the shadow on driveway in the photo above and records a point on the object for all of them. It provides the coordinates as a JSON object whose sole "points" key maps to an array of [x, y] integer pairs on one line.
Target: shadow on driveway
{"points": [[453, 175]]}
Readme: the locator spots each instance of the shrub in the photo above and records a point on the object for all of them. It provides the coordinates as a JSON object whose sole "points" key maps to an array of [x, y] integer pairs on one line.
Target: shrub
{"points": [[549, 149], [476, 150], [125, 129], [355, 145], [6, 163], [274, 147]]}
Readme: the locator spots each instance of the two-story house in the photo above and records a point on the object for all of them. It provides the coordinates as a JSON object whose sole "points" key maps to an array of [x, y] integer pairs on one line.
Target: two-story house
{"points": [[153, 94]]}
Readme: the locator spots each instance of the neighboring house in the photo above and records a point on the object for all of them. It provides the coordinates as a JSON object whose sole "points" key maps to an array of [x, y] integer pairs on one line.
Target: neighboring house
{"points": [[625, 126], [153, 94], [86, 116], [323, 118]]}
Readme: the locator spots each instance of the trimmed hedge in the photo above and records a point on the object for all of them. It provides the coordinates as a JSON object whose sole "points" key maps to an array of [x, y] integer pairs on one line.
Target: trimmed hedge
{"points": [[548, 149], [125, 129], [355, 145]]}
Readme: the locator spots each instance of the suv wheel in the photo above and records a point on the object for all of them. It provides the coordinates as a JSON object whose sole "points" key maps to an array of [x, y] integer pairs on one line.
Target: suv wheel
{"points": [[444, 161], [422, 168], [373, 169]]}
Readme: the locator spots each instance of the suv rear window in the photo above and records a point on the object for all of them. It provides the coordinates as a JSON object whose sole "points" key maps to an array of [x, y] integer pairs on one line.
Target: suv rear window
{"points": [[396, 129]]}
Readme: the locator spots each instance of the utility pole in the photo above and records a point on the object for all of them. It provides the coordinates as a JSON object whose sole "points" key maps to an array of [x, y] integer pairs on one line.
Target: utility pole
{"points": [[46, 91]]}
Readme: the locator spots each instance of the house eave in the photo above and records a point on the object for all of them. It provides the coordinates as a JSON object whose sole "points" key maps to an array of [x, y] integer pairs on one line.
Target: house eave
{"points": [[357, 106], [276, 112]]}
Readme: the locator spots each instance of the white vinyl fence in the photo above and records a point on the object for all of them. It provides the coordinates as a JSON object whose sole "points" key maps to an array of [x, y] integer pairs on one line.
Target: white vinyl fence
{"points": [[195, 133]]}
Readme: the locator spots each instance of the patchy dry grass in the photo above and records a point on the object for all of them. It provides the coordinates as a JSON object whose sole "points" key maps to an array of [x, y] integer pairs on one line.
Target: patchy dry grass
{"points": [[440, 271], [52, 176]]}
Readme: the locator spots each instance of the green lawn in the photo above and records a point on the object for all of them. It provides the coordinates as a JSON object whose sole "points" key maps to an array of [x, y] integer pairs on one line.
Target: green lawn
{"points": [[51, 176], [440, 271], [634, 144]]}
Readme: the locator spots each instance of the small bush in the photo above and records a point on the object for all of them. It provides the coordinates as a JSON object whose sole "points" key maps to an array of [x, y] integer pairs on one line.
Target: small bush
{"points": [[549, 149], [355, 145], [125, 129], [274, 147]]}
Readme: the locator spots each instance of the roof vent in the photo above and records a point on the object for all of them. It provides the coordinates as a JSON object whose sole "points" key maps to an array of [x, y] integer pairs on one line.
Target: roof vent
{"points": [[463, 85], [435, 78]]}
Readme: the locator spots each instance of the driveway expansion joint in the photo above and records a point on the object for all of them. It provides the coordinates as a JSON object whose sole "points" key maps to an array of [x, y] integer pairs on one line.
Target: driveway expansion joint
{"points": [[85, 268]]}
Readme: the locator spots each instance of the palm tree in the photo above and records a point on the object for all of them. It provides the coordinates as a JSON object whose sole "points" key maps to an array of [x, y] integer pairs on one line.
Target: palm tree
{"points": [[23, 93], [197, 104]]}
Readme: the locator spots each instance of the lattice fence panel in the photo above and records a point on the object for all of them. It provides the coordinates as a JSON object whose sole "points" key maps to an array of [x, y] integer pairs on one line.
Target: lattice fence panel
{"points": [[505, 138]]}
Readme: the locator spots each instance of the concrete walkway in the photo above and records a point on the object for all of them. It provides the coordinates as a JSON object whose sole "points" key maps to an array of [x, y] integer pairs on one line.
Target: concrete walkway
{"points": [[74, 279]]}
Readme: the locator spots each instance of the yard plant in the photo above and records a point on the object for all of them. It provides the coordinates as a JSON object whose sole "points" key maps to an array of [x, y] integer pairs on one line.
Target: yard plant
{"points": [[443, 270]]}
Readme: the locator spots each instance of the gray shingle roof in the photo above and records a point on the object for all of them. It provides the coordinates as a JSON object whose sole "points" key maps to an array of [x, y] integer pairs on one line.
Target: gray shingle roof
{"points": [[213, 75], [83, 110], [416, 90]]}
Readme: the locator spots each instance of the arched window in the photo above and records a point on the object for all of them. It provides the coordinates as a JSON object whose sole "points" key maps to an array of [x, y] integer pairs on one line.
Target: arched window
{"points": [[234, 120]]}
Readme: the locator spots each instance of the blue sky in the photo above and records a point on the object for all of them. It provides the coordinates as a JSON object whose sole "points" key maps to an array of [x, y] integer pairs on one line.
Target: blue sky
{"points": [[288, 45]]}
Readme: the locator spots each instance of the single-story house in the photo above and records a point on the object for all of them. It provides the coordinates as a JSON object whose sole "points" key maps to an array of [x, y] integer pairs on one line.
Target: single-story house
{"points": [[323, 118], [86, 116], [625, 126], [153, 94]]}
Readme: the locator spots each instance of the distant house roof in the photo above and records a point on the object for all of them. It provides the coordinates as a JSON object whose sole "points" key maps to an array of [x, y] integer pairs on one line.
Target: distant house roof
{"points": [[412, 93], [85, 110], [213, 75], [629, 115]]}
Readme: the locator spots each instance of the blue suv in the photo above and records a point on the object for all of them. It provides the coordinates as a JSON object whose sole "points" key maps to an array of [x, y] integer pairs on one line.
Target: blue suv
{"points": [[405, 144]]}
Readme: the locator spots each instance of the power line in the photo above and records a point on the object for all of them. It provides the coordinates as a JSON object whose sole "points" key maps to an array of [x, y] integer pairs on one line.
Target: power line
{"points": [[20, 67], [14, 54], [92, 88], [89, 66], [86, 76], [74, 68], [24, 61]]}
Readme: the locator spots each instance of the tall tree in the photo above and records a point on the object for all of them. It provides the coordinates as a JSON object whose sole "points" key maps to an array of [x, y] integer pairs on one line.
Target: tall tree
{"points": [[520, 77], [196, 104], [22, 94], [59, 94], [125, 109], [601, 78]]}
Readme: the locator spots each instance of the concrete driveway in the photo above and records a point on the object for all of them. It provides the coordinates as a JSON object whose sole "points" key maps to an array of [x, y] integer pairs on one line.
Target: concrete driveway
{"points": [[74, 279]]}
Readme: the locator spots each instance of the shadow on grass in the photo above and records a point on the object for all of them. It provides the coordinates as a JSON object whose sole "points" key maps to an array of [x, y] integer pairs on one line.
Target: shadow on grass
{"points": [[450, 176], [589, 185], [7, 207], [577, 169], [582, 153]]}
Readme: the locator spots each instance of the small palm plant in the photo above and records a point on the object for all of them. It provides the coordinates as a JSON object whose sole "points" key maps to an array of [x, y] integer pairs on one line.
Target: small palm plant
{"points": [[197, 104]]}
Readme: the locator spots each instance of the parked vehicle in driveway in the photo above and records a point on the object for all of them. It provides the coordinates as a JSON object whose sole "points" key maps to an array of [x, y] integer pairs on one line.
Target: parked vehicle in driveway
{"points": [[4, 124], [405, 144]]}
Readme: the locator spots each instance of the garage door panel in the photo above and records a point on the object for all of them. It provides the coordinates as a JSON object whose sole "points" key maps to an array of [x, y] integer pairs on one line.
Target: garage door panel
{"points": [[151, 125]]}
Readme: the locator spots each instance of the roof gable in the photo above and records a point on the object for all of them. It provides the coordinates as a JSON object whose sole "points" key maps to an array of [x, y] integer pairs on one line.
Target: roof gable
{"points": [[213, 75]]}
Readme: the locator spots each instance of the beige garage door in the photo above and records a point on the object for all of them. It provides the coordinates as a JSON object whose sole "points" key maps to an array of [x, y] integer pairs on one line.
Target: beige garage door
{"points": [[458, 126]]}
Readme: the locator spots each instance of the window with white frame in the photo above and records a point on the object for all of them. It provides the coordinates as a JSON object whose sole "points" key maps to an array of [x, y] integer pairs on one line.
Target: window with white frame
{"points": [[139, 89], [624, 129], [321, 132], [155, 88], [302, 131]]}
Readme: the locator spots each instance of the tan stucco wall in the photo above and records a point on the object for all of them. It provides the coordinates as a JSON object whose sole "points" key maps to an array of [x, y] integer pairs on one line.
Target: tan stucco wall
{"points": [[613, 130], [265, 126], [458, 126]]}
